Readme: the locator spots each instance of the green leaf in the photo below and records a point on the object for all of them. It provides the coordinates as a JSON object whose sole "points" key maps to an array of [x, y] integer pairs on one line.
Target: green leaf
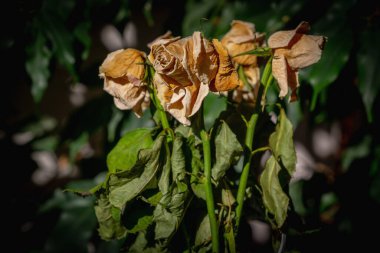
{"points": [[124, 155], [164, 181], [197, 180], [369, 69], [142, 243], [203, 234], [109, 228], [336, 52], [281, 143], [173, 204], [126, 185], [170, 211], [37, 66], [261, 51], [274, 198], [227, 151], [138, 216], [178, 162]]}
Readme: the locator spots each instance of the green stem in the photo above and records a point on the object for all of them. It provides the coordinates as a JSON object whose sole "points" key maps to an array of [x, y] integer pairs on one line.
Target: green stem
{"points": [[266, 80], [247, 164], [208, 187]]}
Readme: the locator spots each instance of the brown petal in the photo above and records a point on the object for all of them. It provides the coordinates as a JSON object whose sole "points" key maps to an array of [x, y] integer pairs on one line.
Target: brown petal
{"points": [[124, 62], [205, 59], [306, 51], [162, 39], [285, 76], [240, 32], [286, 38], [239, 39], [235, 49], [227, 77]]}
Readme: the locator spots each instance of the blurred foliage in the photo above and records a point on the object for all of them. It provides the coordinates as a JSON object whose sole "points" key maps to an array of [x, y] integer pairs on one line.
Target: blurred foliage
{"points": [[336, 206]]}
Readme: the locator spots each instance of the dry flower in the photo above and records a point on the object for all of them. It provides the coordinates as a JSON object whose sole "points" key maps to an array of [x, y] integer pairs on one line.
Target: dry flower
{"points": [[293, 50], [186, 69], [242, 37], [123, 73]]}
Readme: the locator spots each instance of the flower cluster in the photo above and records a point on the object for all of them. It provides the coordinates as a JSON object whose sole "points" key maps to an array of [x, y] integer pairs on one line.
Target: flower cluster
{"points": [[187, 69]]}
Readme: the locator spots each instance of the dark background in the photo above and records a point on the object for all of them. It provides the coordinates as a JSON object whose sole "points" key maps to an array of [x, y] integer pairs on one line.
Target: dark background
{"points": [[43, 128]]}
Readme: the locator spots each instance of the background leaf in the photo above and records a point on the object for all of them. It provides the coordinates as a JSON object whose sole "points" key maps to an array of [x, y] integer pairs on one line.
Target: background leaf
{"points": [[37, 66], [336, 52], [368, 68]]}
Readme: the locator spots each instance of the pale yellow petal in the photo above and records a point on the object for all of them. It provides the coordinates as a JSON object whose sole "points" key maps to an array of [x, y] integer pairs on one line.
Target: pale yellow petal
{"points": [[227, 77], [177, 107], [280, 73], [164, 92], [197, 97], [126, 96]]}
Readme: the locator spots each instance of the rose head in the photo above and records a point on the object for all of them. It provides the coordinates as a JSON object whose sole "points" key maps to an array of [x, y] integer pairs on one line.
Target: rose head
{"points": [[186, 70], [293, 50], [123, 73], [242, 37]]}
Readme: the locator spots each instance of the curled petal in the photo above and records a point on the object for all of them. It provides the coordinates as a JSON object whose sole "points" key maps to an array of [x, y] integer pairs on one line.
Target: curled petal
{"points": [[162, 39], [242, 38], [205, 59], [123, 72], [180, 102], [124, 62], [285, 76], [127, 96], [306, 51], [287, 38], [227, 77], [280, 73], [164, 92], [240, 32]]}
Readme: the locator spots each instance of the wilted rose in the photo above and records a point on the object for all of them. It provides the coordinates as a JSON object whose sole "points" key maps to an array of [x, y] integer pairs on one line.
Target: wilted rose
{"points": [[186, 70], [123, 73], [242, 37], [293, 50]]}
